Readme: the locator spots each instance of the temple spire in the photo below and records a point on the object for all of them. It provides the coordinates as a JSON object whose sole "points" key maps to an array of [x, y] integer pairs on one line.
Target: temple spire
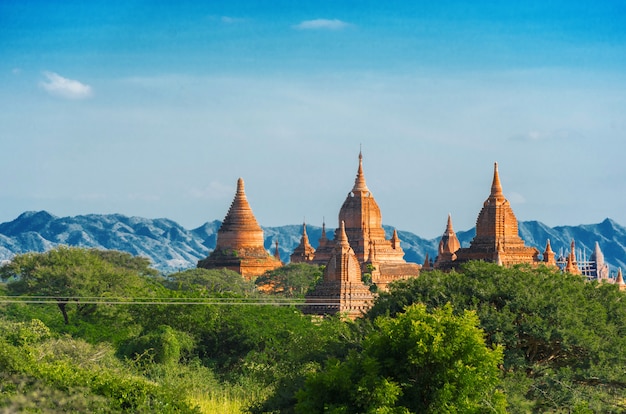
{"points": [[240, 188], [395, 240], [496, 187], [277, 252], [549, 255], [449, 229], [359, 182], [342, 238], [305, 236]]}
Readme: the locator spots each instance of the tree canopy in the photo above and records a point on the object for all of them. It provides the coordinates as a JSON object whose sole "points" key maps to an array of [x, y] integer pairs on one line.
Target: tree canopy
{"points": [[564, 338], [70, 274], [418, 361], [292, 280], [210, 281]]}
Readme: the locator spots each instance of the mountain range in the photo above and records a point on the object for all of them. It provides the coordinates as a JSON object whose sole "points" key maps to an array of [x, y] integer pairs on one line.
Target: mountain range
{"points": [[171, 247]]}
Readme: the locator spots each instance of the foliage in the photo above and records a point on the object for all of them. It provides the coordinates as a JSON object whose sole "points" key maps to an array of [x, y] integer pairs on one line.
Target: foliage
{"points": [[163, 345], [210, 281], [70, 274], [72, 375], [291, 280], [419, 361], [561, 335]]}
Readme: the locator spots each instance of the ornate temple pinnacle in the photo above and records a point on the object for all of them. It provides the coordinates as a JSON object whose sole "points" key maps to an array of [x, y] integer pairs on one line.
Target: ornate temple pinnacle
{"points": [[496, 187], [240, 187], [449, 228], [342, 238], [548, 247], [359, 182]]}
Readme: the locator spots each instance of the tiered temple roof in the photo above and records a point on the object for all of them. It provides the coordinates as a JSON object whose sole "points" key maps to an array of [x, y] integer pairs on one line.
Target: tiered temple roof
{"points": [[497, 236], [383, 258], [341, 290], [239, 245]]}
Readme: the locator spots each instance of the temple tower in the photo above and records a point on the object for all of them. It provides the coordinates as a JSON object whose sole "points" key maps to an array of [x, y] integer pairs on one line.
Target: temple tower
{"points": [[549, 257], [239, 245], [448, 246], [304, 252], [497, 235], [571, 265], [324, 249], [341, 290], [383, 258]]}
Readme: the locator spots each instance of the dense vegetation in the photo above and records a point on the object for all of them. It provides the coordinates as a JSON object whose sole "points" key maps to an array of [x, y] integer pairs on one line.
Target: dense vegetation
{"points": [[114, 336]]}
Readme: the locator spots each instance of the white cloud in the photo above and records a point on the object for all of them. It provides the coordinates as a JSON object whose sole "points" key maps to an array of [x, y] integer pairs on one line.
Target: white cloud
{"points": [[321, 24], [57, 85]]}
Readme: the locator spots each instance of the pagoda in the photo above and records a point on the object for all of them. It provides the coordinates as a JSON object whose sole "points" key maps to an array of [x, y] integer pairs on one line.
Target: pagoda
{"points": [[382, 258], [549, 257], [448, 246], [497, 236], [341, 289], [304, 252], [239, 245], [571, 265], [324, 249]]}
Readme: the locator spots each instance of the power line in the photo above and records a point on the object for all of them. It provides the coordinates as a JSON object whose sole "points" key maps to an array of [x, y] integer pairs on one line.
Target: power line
{"points": [[159, 301]]}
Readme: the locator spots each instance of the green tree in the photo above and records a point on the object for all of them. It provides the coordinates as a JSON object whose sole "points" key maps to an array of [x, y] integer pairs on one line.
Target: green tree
{"points": [[292, 280], [419, 361], [70, 274], [210, 281], [562, 336]]}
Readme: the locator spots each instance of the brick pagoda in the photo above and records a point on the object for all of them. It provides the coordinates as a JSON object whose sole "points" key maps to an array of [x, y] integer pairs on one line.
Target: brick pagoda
{"points": [[239, 245]]}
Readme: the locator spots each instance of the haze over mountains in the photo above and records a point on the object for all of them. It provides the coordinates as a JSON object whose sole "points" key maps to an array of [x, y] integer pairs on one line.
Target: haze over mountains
{"points": [[171, 247]]}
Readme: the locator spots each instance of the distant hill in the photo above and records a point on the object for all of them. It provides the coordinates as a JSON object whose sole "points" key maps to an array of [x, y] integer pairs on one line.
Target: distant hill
{"points": [[171, 247]]}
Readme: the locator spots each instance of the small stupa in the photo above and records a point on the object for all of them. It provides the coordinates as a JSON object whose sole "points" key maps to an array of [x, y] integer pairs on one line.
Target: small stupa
{"points": [[448, 246], [239, 245], [571, 265], [549, 257], [304, 252]]}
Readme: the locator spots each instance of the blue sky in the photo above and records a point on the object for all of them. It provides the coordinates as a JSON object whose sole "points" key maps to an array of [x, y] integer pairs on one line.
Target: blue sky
{"points": [[155, 109]]}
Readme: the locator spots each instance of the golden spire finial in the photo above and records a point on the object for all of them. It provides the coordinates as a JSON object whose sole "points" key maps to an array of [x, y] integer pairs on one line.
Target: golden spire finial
{"points": [[449, 228], [548, 247], [496, 187], [240, 186], [359, 182], [342, 238]]}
